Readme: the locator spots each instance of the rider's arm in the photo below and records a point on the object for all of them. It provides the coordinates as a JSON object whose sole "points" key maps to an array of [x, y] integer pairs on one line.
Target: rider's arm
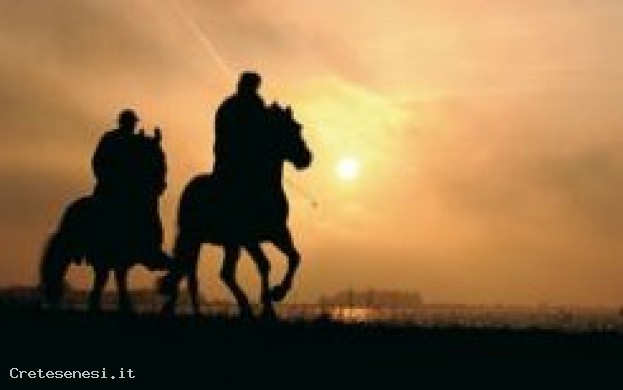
{"points": [[98, 162]]}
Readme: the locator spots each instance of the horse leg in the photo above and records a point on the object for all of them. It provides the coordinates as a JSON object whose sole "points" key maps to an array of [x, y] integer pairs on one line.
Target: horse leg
{"points": [[95, 298], [228, 276], [193, 282], [185, 254], [284, 243], [263, 266], [121, 277], [157, 260]]}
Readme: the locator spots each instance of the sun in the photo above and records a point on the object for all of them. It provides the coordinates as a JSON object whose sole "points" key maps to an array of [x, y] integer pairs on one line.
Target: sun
{"points": [[347, 168]]}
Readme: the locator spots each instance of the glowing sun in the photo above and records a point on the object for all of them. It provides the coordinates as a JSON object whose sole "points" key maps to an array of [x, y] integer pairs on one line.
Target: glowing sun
{"points": [[347, 168]]}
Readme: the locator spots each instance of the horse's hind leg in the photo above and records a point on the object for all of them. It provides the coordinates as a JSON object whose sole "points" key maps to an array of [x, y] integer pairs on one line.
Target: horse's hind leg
{"points": [[185, 256], [228, 276], [263, 266], [95, 298], [121, 277], [283, 242], [187, 252], [193, 281]]}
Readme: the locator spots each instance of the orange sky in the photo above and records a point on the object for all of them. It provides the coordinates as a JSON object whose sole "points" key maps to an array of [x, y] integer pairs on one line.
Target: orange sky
{"points": [[488, 133]]}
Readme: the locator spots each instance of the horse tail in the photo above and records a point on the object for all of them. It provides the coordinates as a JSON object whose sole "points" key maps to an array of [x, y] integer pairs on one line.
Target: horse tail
{"points": [[52, 267], [65, 245]]}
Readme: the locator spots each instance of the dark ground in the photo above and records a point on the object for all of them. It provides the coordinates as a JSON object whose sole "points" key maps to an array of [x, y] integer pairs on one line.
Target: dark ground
{"points": [[164, 350]]}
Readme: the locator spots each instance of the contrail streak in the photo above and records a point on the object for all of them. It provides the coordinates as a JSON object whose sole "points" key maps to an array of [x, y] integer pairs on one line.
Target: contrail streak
{"points": [[210, 49], [201, 36]]}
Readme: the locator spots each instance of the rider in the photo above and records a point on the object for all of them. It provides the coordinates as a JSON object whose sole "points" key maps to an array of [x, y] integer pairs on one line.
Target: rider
{"points": [[112, 161], [121, 191], [238, 124]]}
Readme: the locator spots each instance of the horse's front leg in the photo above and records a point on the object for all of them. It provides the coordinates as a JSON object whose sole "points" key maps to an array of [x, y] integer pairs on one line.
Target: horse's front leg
{"points": [[95, 298], [228, 276], [185, 262], [193, 283], [284, 243], [263, 266], [121, 276]]}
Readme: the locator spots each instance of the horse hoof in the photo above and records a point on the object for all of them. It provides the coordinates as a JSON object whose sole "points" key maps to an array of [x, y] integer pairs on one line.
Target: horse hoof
{"points": [[94, 310], [279, 292], [126, 309], [269, 315], [168, 310], [166, 285], [246, 314]]}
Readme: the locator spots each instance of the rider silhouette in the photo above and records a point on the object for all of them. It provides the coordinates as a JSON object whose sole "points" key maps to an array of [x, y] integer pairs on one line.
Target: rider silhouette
{"points": [[124, 192], [240, 127], [239, 122], [112, 162]]}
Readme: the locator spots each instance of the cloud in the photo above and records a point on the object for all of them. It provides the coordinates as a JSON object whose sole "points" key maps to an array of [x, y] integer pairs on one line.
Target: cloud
{"points": [[489, 131]]}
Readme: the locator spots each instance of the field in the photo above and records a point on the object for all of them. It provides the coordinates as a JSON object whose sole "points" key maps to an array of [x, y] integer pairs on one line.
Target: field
{"points": [[162, 349]]}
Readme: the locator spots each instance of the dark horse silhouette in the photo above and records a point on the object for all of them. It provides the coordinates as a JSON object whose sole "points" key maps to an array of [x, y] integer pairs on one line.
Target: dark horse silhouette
{"points": [[108, 239], [208, 214]]}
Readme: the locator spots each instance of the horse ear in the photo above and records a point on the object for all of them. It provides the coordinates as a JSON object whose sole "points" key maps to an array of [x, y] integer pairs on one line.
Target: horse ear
{"points": [[141, 132], [289, 111], [157, 135]]}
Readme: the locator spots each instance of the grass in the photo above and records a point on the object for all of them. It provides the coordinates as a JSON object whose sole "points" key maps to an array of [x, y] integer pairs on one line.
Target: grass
{"points": [[190, 347]]}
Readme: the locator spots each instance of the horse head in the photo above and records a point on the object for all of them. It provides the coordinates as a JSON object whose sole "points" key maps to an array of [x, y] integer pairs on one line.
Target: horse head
{"points": [[288, 136], [152, 161]]}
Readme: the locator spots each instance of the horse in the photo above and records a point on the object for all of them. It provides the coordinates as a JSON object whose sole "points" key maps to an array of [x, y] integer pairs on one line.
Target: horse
{"points": [[210, 214], [111, 234]]}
